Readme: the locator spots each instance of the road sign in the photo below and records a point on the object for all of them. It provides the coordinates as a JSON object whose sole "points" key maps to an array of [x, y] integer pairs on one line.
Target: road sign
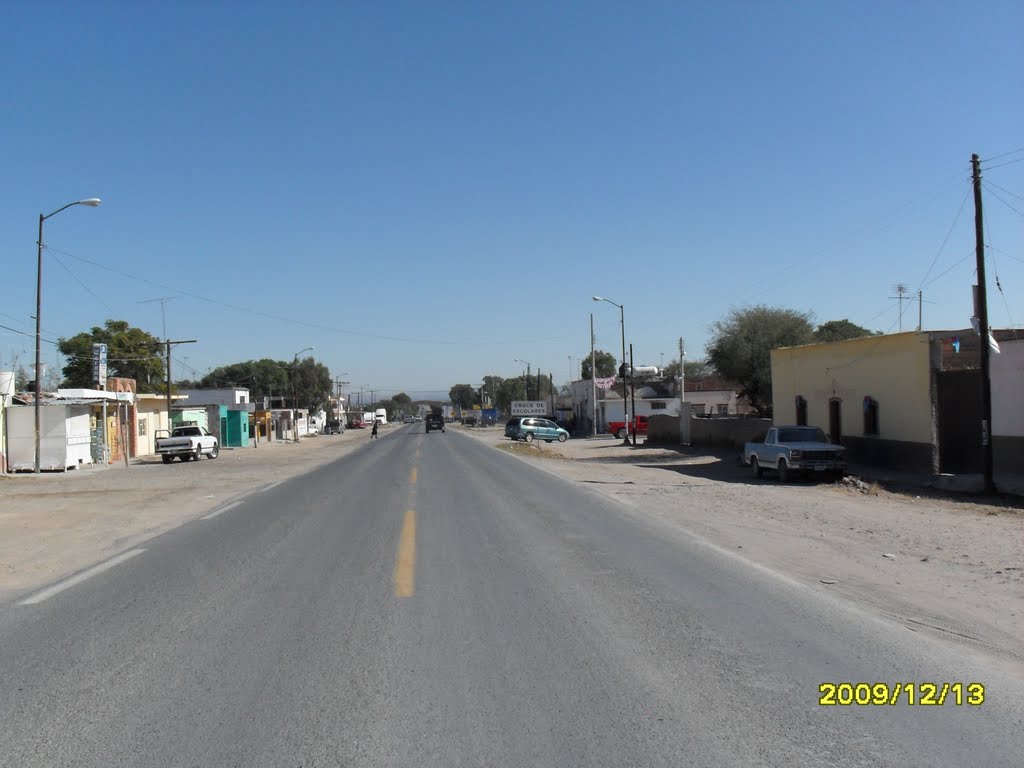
{"points": [[99, 364], [529, 407]]}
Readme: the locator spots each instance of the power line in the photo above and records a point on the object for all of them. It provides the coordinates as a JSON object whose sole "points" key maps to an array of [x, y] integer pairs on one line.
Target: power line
{"points": [[1005, 154], [998, 197], [293, 321], [891, 216], [84, 286], [947, 270], [946, 238], [1001, 165], [988, 183]]}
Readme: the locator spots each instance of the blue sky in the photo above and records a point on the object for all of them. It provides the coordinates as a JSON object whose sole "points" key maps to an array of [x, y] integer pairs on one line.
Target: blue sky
{"points": [[427, 191]]}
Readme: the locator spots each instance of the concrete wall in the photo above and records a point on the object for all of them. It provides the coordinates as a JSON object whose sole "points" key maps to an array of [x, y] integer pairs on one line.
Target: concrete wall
{"points": [[893, 369], [1007, 372], [663, 430], [726, 433]]}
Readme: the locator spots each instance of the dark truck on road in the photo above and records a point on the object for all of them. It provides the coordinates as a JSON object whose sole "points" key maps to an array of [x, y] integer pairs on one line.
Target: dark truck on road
{"points": [[434, 421]]}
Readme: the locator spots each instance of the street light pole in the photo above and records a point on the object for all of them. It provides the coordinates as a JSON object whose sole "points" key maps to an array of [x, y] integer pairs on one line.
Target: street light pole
{"points": [[295, 410], [92, 202], [622, 326], [526, 379]]}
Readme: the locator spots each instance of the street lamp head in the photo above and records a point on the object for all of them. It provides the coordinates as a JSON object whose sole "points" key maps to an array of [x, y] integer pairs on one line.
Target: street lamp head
{"points": [[598, 298], [92, 202]]}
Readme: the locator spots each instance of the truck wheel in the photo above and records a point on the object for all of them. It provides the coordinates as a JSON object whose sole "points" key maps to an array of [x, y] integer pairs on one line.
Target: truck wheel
{"points": [[167, 458], [215, 452], [756, 466], [621, 434], [198, 453], [784, 472]]}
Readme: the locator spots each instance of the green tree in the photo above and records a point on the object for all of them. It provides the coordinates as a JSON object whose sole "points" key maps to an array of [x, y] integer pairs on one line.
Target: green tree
{"points": [[131, 354], [606, 365], [741, 345], [508, 391], [841, 330], [21, 379], [310, 384], [263, 378], [463, 395], [491, 386]]}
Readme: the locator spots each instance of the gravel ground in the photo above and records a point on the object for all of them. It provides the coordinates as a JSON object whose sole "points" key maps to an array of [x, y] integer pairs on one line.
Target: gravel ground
{"points": [[939, 564]]}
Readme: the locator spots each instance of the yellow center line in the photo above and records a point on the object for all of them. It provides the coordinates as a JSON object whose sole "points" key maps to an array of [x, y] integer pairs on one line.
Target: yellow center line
{"points": [[405, 565], [412, 476]]}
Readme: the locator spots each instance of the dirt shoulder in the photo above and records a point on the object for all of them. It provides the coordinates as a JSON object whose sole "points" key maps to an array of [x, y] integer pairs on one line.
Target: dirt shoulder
{"points": [[948, 566], [57, 523]]}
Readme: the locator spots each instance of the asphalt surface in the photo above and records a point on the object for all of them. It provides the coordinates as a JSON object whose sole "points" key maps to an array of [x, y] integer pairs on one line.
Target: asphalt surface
{"points": [[431, 601]]}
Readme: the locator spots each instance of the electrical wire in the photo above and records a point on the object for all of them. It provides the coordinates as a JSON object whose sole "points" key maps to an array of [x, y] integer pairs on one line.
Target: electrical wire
{"points": [[1005, 154], [293, 321], [84, 286], [1001, 165], [817, 256], [946, 238], [948, 270], [988, 183], [998, 197]]}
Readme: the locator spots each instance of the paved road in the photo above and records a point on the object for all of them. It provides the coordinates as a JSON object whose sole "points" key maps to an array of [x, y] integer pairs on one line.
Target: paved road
{"points": [[429, 601]]}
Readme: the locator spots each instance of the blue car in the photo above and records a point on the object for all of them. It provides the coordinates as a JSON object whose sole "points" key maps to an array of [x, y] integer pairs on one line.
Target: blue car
{"points": [[530, 428]]}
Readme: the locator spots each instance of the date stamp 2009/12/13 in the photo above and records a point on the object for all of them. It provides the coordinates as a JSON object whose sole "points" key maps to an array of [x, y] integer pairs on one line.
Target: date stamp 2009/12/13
{"points": [[890, 694]]}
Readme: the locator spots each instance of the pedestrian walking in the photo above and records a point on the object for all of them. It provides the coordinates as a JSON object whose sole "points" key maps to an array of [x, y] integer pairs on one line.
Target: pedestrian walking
{"points": [[373, 432]]}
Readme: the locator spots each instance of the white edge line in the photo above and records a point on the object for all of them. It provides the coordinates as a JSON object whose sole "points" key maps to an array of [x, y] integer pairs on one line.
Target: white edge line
{"points": [[221, 511], [268, 487], [78, 578]]}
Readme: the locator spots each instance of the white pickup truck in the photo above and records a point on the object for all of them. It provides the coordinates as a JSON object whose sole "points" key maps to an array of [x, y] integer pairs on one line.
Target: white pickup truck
{"points": [[795, 450], [187, 443]]}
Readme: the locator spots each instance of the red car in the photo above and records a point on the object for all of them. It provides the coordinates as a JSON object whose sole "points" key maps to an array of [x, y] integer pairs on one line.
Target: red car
{"points": [[356, 424]]}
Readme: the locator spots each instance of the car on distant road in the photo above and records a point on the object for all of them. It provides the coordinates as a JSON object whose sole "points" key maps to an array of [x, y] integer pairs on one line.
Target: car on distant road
{"points": [[530, 428], [356, 423], [435, 421]]}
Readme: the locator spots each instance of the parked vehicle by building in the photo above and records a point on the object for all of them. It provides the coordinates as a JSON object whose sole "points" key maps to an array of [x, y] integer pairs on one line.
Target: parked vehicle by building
{"points": [[356, 422], [381, 415], [795, 450], [639, 427], [530, 428], [435, 421], [333, 427], [187, 443]]}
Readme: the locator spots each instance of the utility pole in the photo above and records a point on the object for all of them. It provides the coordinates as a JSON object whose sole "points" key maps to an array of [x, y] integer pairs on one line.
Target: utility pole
{"points": [[593, 378], [169, 344], [986, 380], [632, 394]]}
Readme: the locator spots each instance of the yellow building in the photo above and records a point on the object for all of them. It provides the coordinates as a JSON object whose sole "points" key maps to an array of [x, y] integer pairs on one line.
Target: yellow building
{"points": [[906, 400], [873, 395]]}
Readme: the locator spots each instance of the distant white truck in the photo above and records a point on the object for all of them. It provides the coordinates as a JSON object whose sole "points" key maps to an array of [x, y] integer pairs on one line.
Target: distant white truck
{"points": [[381, 415], [187, 443]]}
